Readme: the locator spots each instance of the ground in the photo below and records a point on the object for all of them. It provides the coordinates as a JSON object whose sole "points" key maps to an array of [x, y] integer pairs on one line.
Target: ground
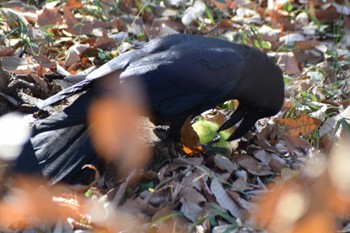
{"points": [[289, 174]]}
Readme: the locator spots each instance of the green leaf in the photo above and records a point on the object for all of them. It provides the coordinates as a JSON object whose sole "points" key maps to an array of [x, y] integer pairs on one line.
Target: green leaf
{"points": [[146, 186], [210, 15], [288, 7]]}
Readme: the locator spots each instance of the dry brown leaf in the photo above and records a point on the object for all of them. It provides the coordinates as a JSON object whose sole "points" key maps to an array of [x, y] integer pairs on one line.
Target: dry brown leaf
{"points": [[104, 41], [123, 187], [6, 51], [41, 82], [288, 63], [229, 4], [240, 184], [224, 200], [190, 199], [189, 137], [250, 164], [45, 62], [224, 163], [69, 17], [206, 191], [269, 34], [15, 64], [302, 126], [192, 194], [298, 143], [193, 179], [280, 208], [216, 116], [194, 161], [73, 4], [190, 209], [277, 163], [247, 162], [280, 20], [306, 45], [263, 156], [328, 15], [248, 206], [50, 17], [74, 53]]}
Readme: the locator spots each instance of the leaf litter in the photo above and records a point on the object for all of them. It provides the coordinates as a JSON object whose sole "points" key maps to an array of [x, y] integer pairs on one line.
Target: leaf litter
{"points": [[216, 190]]}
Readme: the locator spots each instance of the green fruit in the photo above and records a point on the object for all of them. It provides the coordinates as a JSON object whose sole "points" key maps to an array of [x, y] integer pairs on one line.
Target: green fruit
{"points": [[207, 131], [224, 135]]}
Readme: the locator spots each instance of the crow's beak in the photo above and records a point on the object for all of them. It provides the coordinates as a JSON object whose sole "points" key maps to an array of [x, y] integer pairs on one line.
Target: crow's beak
{"points": [[248, 120]]}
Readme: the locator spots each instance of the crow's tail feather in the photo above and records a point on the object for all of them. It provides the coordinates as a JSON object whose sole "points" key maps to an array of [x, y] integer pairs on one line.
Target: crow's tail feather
{"points": [[59, 155]]}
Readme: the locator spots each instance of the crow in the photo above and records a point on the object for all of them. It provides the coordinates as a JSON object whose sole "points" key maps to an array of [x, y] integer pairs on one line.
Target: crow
{"points": [[180, 75]]}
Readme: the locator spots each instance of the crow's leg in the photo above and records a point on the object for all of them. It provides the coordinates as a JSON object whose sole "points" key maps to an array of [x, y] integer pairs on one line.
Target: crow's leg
{"points": [[174, 134]]}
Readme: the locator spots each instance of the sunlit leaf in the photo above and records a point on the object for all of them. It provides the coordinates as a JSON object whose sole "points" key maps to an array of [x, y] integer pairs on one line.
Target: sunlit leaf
{"points": [[302, 126]]}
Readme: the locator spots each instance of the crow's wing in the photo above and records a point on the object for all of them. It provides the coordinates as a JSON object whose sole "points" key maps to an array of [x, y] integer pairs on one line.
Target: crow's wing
{"points": [[188, 76], [163, 52], [75, 114], [117, 64]]}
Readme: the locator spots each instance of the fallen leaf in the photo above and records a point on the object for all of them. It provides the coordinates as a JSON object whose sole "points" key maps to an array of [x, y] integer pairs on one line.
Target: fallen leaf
{"points": [[192, 195], [263, 156], [229, 4], [288, 62], [74, 53], [73, 4], [50, 17], [224, 200], [224, 163], [189, 137], [277, 163], [190, 209], [6, 51], [240, 184], [269, 34], [302, 126], [247, 162], [306, 45], [299, 143]]}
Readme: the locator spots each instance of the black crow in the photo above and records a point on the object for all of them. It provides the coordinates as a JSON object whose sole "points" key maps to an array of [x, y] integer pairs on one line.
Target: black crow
{"points": [[180, 76]]}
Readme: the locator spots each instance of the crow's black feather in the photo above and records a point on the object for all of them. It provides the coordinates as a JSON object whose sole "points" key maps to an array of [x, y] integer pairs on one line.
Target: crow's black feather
{"points": [[180, 77]]}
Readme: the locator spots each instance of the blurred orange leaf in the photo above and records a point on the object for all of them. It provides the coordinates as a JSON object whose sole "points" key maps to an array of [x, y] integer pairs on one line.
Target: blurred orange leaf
{"points": [[192, 151], [302, 126], [114, 129], [315, 222], [225, 4], [73, 4], [31, 201]]}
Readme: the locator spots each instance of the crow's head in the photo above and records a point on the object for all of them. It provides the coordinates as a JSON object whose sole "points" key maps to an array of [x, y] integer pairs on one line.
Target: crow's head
{"points": [[260, 94], [247, 117]]}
